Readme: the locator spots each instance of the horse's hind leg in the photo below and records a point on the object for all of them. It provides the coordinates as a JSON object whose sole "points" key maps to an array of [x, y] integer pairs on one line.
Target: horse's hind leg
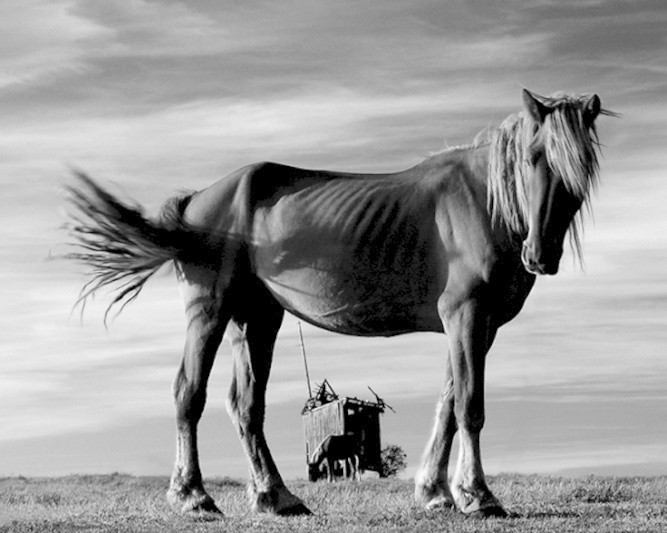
{"points": [[206, 321], [347, 467], [252, 332]]}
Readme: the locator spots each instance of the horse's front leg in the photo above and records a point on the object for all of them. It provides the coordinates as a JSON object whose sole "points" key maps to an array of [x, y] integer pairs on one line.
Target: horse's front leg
{"points": [[252, 340], [470, 331], [431, 485]]}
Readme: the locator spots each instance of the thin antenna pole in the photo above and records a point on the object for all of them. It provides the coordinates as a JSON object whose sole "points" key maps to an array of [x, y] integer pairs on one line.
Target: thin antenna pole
{"points": [[305, 362]]}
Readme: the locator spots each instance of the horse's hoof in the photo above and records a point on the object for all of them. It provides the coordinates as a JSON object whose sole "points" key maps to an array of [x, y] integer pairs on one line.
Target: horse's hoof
{"points": [[208, 507], [493, 511], [440, 502], [295, 510], [194, 506], [277, 501], [204, 515]]}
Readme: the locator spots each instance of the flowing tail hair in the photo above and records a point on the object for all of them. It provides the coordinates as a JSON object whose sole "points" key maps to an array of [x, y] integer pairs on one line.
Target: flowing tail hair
{"points": [[121, 247]]}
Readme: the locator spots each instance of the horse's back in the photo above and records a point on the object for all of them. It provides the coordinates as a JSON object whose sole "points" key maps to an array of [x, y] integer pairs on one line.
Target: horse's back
{"points": [[228, 204]]}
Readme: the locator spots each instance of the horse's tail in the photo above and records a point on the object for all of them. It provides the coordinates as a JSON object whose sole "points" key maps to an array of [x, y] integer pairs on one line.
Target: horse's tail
{"points": [[123, 247]]}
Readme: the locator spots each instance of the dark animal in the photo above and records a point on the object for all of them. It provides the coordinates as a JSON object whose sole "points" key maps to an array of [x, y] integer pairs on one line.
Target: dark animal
{"points": [[342, 448], [452, 246]]}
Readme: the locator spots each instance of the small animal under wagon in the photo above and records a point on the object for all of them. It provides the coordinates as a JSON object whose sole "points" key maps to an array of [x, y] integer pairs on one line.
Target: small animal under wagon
{"points": [[451, 245]]}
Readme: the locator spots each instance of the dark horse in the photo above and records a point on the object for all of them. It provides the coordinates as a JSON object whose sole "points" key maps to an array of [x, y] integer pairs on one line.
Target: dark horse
{"points": [[343, 448], [452, 245]]}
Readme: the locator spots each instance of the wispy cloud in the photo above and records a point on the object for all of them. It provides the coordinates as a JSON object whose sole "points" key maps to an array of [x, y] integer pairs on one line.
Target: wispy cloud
{"points": [[41, 40], [139, 28]]}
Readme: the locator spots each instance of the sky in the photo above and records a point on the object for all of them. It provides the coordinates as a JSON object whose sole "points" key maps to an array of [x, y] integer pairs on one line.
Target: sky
{"points": [[152, 97]]}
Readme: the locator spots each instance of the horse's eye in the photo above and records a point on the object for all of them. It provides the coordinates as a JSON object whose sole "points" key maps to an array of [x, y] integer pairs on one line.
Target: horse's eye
{"points": [[534, 158]]}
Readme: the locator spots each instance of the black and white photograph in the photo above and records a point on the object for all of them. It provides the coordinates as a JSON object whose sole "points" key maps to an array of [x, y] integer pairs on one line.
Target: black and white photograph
{"points": [[333, 266]]}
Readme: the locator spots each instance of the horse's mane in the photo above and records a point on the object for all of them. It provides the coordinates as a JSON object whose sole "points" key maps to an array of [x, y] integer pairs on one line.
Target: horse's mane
{"points": [[572, 150]]}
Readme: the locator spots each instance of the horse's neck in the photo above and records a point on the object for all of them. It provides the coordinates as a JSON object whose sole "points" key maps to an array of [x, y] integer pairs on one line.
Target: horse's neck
{"points": [[475, 159], [477, 162]]}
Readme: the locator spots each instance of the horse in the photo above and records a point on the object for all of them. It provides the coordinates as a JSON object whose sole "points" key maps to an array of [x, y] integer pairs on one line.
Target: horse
{"points": [[343, 448], [451, 245]]}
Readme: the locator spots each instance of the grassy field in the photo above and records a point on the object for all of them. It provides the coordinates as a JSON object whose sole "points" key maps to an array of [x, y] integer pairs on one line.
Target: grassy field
{"points": [[124, 503]]}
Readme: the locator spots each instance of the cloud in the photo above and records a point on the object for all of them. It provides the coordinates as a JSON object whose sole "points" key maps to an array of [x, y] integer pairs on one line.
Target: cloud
{"points": [[143, 53], [334, 127], [42, 39], [140, 28], [585, 457], [603, 38]]}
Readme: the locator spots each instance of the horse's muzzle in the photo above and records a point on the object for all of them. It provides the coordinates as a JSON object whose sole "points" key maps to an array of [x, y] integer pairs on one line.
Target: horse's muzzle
{"points": [[539, 263]]}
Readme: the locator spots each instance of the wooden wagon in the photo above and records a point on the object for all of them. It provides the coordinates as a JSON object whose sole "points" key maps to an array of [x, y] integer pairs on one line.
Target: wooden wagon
{"points": [[326, 414]]}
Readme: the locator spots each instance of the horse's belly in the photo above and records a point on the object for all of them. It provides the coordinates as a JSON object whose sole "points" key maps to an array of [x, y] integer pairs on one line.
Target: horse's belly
{"points": [[356, 302]]}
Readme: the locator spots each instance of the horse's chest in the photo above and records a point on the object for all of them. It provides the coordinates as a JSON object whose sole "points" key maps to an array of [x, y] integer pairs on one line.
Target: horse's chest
{"points": [[511, 291]]}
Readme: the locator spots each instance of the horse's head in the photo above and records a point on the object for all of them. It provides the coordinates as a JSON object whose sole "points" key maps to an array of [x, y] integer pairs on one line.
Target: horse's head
{"points": [[559, 168], [314, 472]]}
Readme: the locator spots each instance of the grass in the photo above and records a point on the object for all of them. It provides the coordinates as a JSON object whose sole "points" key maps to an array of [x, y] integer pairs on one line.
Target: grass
{"points": [[538, 503]]}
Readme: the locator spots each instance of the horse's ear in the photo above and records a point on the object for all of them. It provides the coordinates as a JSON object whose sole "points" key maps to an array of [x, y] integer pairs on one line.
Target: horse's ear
{"points": [[536, 109], [591, 109]]}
